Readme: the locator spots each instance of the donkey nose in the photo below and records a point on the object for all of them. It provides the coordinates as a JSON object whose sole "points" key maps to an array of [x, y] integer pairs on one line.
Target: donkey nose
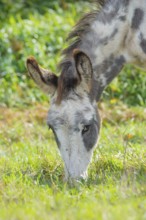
{"points": [[75, 177], [76, 182]]}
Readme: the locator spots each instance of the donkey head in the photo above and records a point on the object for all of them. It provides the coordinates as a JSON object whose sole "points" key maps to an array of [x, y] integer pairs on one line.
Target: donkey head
{"points": [[74, 118]]}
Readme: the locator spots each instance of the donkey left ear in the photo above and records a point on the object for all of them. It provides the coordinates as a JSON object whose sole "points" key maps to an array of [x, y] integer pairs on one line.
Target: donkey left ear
{"points": [[84, 68], [46, 80]]}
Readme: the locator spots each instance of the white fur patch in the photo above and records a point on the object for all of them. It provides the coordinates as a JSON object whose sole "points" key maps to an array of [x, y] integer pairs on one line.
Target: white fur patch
{"points": [[103, 80]]}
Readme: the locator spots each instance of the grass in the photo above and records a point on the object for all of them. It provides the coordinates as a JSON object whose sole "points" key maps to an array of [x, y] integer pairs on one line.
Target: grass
{"points": [[31, 170]]}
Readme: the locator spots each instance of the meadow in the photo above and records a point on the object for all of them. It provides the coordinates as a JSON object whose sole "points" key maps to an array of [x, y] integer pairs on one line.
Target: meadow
{"points": [[31, 169]]}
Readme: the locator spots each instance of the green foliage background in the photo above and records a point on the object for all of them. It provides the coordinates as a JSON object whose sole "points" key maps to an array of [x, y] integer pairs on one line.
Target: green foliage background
{"points": [[39, 28]]}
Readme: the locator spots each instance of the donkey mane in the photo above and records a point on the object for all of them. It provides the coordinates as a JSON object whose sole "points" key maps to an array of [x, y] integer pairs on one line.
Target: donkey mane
{"points": [[69, 78]]}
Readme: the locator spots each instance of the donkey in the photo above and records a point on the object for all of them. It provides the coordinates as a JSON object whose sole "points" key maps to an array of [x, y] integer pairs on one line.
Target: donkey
{"points": [[101, 43]]}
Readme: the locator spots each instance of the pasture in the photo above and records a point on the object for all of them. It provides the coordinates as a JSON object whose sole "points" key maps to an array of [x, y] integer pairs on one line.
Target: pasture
{"points": [[31, 170]]}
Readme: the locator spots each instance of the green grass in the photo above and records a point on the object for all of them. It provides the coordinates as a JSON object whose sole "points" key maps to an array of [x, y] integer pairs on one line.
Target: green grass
{"points": [[31, 170]]}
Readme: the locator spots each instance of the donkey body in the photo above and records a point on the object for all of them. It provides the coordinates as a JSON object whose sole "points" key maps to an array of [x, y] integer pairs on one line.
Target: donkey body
{"points": [[102, 42]]}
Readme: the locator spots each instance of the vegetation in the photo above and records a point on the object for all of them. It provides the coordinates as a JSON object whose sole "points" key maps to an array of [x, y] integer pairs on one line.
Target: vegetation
{"points": [[39, 29], [31, 170], [40, 32]]}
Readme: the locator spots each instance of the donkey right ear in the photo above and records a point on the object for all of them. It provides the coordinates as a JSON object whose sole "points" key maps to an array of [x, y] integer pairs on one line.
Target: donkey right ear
{"points": [[46, 80], [84, 68]]}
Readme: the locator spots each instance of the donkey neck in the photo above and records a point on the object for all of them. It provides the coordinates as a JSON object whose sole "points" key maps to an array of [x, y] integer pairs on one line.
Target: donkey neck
{"points": [[101, 35], [105, 44]]}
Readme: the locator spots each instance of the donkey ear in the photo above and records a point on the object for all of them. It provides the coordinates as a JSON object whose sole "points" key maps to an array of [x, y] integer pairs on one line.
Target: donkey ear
{"points": [[84, 68], [46, 80]]}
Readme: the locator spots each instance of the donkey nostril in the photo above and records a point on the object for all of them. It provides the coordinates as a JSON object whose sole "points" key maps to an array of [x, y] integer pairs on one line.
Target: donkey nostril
{"points": [[76, 182]]}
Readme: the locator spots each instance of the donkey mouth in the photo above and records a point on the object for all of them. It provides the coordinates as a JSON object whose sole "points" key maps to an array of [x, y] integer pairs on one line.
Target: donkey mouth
{"points": [[75, 182], [76, 179]]}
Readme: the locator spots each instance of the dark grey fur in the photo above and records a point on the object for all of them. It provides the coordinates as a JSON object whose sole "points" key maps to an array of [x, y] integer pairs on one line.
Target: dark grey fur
{"points": [[116, 67], [56, 139], [137, 18], [105, 40], [90, 137], [110, 68], [143, 43], [122, 18], [96, 90]]}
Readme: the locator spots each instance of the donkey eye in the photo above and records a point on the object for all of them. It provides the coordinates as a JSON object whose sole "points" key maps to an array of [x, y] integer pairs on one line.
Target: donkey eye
{"points": [[86, 128]]}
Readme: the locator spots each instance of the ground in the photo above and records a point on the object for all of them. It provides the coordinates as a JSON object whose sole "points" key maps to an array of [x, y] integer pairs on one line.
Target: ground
{"points": [[31, 170]]}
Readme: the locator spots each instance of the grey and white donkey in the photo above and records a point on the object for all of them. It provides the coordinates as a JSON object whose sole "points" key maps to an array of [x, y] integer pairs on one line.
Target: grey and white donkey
{"points": [[102, 42]]}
